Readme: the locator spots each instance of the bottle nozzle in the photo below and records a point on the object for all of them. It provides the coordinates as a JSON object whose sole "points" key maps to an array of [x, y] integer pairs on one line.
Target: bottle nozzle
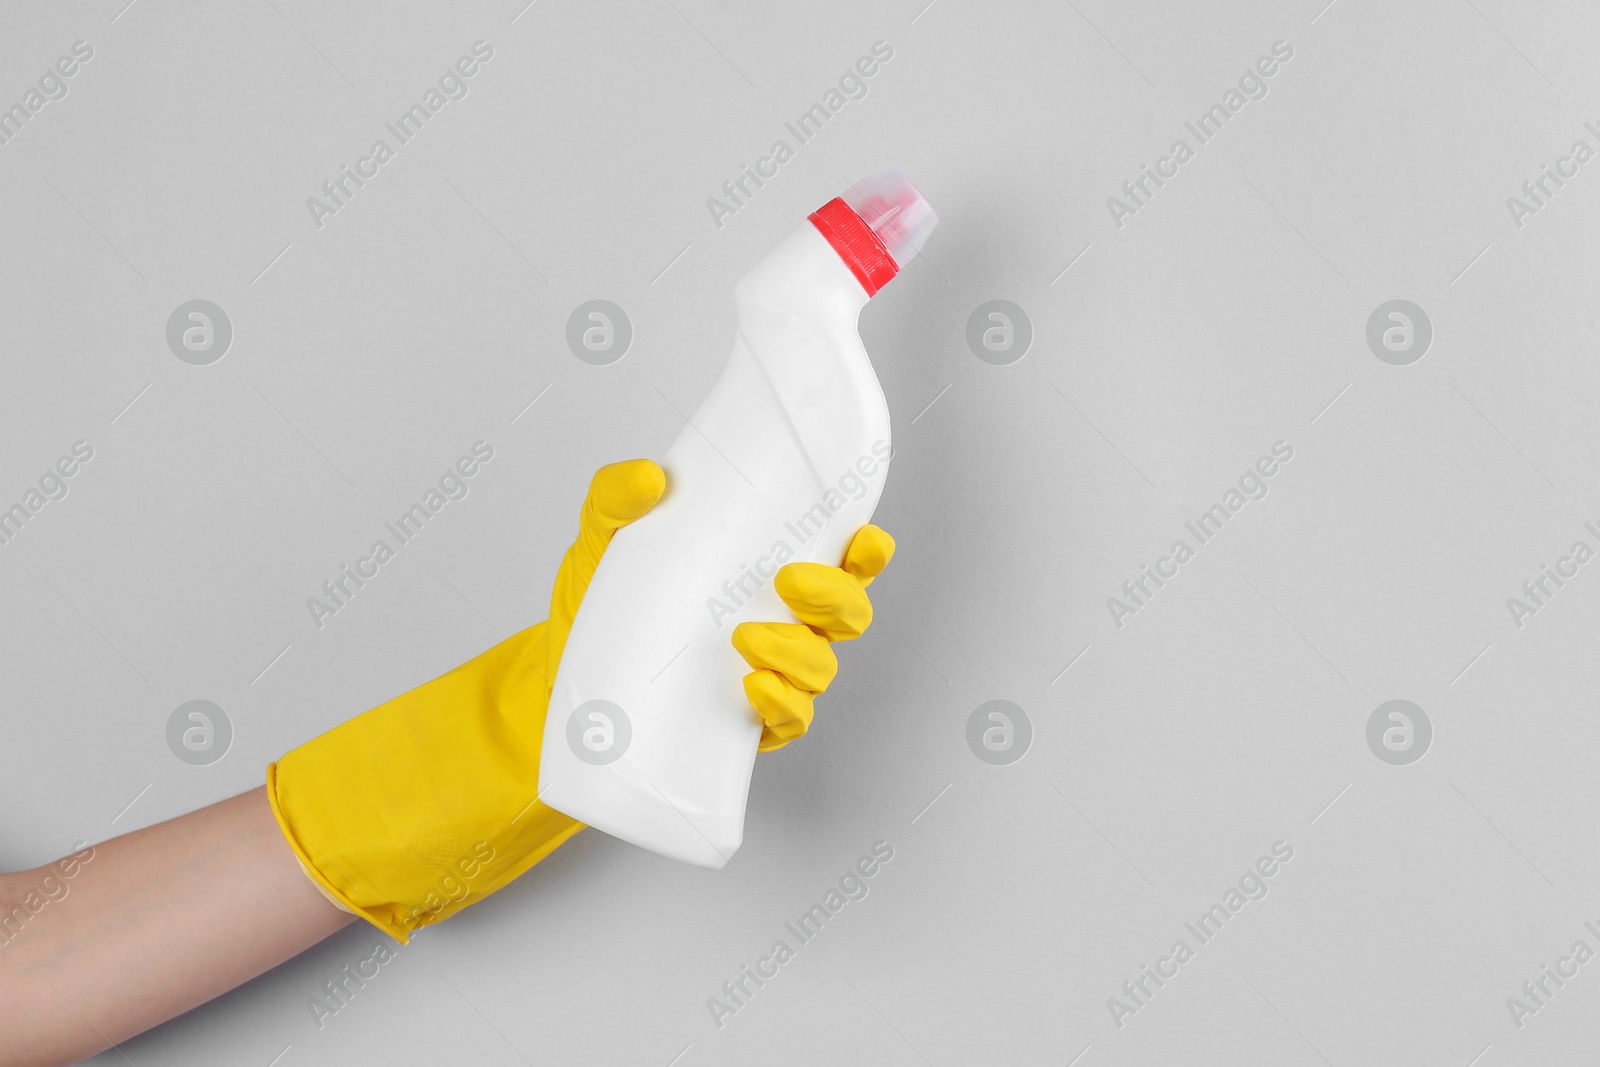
{"points": [[877, 227], [894, 210]]}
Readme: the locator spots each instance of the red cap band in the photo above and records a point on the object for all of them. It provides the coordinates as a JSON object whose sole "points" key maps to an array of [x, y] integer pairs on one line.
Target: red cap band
{"points": [[856, 244]]}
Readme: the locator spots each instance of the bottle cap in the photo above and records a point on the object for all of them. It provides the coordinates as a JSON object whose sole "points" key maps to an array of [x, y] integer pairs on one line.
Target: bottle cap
{"points": [[894, 210], [877, 226]]}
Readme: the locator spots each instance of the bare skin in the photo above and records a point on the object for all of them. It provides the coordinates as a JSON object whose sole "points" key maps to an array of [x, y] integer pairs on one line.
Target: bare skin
{"points": [[194, 907]]}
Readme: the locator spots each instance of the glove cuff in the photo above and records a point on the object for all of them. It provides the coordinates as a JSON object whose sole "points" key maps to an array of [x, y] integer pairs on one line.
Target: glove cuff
{"points": [[410, 812]]}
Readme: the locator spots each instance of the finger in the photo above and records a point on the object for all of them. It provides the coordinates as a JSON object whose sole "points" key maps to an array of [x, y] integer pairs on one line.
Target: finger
{"points": [[827, 599], [785, 711], [619, 493], [797, 652], [870, 551]]}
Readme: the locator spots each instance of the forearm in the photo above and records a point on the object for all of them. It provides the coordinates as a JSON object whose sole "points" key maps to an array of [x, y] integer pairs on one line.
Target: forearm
{"points": [[157, 922]]}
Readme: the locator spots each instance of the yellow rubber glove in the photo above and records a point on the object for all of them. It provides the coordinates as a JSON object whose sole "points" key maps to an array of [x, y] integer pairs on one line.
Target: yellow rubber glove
{"points": [[794, 661], [412, 811]]}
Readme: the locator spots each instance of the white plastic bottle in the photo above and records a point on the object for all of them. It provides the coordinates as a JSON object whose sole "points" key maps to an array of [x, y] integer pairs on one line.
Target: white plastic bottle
{"points": [[649, 736]]}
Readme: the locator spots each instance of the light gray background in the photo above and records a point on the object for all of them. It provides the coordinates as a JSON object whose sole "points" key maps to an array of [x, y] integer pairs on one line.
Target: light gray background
{"points": [[1228, 314]]}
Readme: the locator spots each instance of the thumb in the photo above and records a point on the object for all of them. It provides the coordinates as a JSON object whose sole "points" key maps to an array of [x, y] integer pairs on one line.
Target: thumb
{"points": [[619, 493]]}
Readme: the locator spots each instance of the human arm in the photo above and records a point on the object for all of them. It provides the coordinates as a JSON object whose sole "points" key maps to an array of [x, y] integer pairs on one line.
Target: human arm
{"points": [[147, 926], [404, 815]]}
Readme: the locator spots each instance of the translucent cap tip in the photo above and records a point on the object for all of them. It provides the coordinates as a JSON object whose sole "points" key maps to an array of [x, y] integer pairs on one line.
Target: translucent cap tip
{"points": [[895, 211]]}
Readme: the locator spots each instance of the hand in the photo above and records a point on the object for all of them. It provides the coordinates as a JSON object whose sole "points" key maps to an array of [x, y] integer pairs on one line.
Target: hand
{"points": [[414, 810], [426, 804], [794, 661]]}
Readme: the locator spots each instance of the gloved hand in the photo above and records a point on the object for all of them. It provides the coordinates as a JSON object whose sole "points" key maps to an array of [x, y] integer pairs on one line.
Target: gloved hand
{"points": [[410, 812], [794, 661]]}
